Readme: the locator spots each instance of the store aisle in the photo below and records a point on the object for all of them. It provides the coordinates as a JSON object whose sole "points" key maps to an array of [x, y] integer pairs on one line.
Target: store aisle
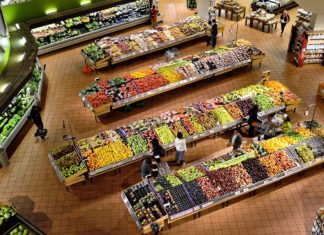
{"points": [[97, 208]]}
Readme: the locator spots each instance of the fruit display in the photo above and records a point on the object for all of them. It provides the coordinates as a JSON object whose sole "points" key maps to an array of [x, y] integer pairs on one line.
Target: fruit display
{"points": [[207, 187], [5, 213], [256, 171], [190, 173], [234, 110], [270, 163], [19, 106], [208, 120], [224, 181], [274, 144], [176, 127], [223, 116], [144, 203], [71, 27], [108, 154], [138, 144], [284, 161], [163, 74], [305, 152], [197, 126], [188, 125], [149, 39], [264, 102], [305, 132], [20, 230], [195, 192], [245, 106], [242, 178], [165, 135], [173, 180], [62, 150], [67, 160], [178, 199]]}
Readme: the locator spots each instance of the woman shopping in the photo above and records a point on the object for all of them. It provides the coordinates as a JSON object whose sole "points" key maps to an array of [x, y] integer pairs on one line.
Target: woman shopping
{"points": [[284, 19], [181, 147]]}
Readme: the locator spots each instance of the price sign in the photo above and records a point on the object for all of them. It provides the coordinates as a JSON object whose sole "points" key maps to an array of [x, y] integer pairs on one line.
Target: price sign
{"points": [[195, 137], [207, 204], [211, 131]]}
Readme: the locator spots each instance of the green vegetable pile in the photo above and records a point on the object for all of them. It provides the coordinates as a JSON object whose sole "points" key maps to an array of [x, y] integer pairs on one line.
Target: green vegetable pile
{"points": [[5, 213], [94, 52], [20, 230], [222, 115], [190, 173], [173, 180], [138, 144], [66, 172], [305, 152], [263, 102]]}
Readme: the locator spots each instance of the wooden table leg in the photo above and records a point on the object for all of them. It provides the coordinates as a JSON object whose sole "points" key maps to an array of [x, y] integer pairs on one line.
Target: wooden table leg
{"points": [[246, 19]]}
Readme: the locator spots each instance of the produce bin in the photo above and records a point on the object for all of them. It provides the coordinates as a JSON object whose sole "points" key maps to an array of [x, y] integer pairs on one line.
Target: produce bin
{"points": [[4, 161]]}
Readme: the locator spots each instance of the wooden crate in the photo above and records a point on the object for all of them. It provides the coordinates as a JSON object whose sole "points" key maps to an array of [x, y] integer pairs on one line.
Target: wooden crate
{"points": [[320, 91], [75, 177], [293, 102], [103, 109], [147, 229]]}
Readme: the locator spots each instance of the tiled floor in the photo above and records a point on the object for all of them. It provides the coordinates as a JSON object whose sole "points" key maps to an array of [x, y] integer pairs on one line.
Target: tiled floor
{"points": [[30, 183]]}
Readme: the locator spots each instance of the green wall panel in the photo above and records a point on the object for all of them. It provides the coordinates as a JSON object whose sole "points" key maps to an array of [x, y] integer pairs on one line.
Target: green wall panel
{"points": [[37, 8]]}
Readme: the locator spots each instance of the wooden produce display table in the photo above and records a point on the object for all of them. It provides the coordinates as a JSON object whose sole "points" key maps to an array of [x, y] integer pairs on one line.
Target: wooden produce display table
{"points": [[181, 183], [266, 19], [233, 8]]}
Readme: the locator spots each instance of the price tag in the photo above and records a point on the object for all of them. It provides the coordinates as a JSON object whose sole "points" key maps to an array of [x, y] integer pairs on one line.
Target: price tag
{"points": [[195, 137], [237, 193], [196, 208], [245, 190], [207, 204], [225, 126], [212, 131]]}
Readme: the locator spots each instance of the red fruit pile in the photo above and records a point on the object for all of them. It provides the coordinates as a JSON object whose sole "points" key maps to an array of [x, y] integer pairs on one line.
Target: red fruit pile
{"points": [[151, 82], [188, 125], [234, 111], [284, 161], [98, 99], [208, 188]]}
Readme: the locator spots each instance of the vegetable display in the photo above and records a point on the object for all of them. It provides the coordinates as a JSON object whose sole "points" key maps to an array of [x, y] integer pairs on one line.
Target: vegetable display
{"points": [[70, 27]]}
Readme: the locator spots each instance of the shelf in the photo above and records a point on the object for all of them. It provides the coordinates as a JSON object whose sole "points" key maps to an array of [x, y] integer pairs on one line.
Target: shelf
{"points": [[91, 35], [14, 132]]}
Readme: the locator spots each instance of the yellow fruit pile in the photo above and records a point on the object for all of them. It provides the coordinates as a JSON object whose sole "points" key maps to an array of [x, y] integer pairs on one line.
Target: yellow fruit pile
{"points": [[275, 85], [274, 144], [305, 132], [108, 154], [269, 162]]}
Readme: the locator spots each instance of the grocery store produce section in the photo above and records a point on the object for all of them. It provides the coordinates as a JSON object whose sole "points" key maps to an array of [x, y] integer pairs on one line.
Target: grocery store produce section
{"points": [[108, 51], [13, 118], [73, 30], [114, 149], [209, 183], [12, 223], [108, 95]]}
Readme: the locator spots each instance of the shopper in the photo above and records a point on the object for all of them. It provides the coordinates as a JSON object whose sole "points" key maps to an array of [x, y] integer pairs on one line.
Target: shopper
{"points": [[157, 148], [181, 147], [214, 32], [253, 120], [37, 119], [236, 140], [284, 19], [146, 168], [155, 169], [208, 32], [154, 14]]}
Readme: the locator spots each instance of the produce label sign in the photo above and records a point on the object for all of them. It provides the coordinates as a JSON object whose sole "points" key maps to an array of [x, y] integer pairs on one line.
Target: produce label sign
{"points": [[11, 2]]}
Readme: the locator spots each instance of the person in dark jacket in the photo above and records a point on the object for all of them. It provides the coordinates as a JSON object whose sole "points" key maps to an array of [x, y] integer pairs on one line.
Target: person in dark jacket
{"points": [[284, 19], [214, 32], [37, 119], [236, 140], [157, 148], [146, 167], [253, 120]]}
